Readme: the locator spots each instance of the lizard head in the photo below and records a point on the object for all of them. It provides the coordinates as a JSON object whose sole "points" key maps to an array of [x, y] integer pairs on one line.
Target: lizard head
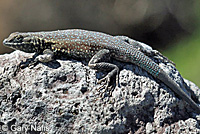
{"points": [[23, 41]]}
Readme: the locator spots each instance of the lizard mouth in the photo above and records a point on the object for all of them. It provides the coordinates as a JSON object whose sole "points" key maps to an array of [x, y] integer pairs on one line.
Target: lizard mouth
{"points": [[13, 40], [13, 44], [7, 43], [19, 42]]}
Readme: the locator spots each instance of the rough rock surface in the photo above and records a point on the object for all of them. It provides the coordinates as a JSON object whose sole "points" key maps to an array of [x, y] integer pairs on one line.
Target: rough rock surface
{"points": [[63, 97]]}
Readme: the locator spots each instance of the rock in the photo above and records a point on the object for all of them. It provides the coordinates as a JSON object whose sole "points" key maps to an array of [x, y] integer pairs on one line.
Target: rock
{"points": [[63, 97]]}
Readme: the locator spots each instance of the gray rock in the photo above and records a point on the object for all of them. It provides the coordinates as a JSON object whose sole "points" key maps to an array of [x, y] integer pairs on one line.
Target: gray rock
{"points": [[63, 97]]}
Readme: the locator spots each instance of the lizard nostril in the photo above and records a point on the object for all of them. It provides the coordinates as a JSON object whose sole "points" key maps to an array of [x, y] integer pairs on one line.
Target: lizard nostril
{"points": [[4, 41]]}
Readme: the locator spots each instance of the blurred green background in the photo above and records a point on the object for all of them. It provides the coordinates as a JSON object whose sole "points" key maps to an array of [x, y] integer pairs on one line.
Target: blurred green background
{"points": [[186, 54], [170, 26], [186, 51]]}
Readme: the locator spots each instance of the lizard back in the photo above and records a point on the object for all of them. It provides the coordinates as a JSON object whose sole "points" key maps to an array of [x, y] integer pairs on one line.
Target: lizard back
{"points": [[84, 44]]}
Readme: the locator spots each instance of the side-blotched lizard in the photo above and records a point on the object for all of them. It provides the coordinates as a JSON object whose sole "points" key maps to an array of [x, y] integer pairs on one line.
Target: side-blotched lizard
{"points": [[91, 45]]}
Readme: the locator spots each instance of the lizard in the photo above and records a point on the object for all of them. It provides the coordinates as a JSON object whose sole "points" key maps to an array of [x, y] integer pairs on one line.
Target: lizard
{"points": [[94, 46], [146, 49]]}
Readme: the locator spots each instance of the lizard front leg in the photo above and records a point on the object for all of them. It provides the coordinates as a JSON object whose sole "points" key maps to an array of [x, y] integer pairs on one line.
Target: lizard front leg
{"points": [[97, 63], [46, 56]]}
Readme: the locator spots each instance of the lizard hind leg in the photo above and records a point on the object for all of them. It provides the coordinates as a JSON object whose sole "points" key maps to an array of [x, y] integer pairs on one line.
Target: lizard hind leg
{"points": [[97, 63]]}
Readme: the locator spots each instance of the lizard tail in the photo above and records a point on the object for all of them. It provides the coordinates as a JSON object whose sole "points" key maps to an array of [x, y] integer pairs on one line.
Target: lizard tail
{"points": [[175, 87]]}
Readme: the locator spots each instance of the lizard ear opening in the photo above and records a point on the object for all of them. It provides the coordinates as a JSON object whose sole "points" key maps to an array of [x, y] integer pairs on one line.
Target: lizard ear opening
{"points": [[27, 39]]}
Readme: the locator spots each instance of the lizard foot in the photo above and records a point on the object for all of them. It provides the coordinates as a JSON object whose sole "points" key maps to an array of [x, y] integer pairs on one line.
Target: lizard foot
{"points": [[22, 65], [30, 64], [105, 82]]}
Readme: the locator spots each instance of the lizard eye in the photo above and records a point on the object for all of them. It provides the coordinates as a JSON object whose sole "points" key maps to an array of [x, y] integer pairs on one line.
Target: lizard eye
{"points": [[18, 39]]}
